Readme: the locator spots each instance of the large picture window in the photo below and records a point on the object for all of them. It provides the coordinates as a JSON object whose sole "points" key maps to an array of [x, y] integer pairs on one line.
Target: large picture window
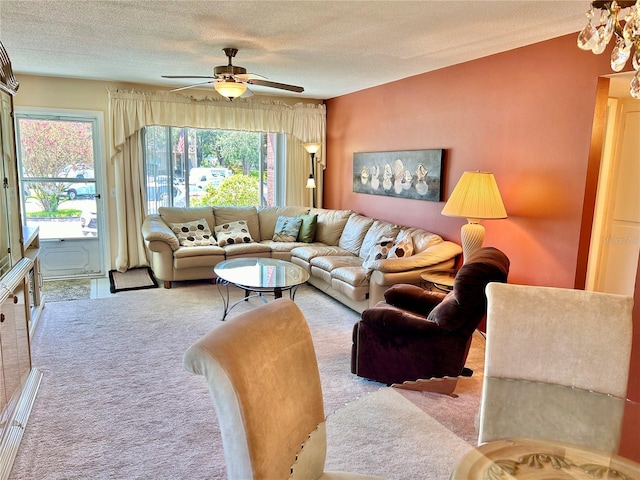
{"points": [[188, 167]]}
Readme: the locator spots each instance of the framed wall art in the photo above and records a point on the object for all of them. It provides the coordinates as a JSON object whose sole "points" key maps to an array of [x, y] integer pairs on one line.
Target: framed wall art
{"points": [[415, 174]]}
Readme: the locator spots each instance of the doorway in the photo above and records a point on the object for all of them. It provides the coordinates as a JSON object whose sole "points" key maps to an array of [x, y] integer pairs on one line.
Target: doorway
{"points": [[59, 162], [615, 239]]}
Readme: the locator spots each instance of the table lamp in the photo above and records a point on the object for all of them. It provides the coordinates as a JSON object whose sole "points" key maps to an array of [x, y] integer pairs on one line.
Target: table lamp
{"points": [[475, 197]]}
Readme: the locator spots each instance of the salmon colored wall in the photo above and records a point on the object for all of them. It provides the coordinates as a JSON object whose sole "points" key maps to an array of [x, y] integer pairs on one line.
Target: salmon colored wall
{"points": [[526, 115]]}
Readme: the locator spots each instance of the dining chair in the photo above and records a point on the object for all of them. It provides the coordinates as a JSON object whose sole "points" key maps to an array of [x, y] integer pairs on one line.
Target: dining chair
{"points": [[556, 365], [263, 377]]}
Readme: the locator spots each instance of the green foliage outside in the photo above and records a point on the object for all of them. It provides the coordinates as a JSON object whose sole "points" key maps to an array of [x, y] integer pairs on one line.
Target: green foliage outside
{"points": [[48, 150], [64, 213], [240, 190]]}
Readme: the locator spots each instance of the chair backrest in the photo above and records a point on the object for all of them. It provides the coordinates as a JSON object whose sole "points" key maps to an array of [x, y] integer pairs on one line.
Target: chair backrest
{"points": [[263, 376], [465, 307], [560, 337]]}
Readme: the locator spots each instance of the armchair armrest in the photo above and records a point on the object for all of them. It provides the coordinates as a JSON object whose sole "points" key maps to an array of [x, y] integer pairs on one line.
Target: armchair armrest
{"points": [[396, 321], [435, 254], [413, 298], [155, 230]]}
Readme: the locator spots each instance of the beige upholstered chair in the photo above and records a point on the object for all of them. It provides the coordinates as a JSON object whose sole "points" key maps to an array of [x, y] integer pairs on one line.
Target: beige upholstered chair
{"points": [[263, 377], [547, 351]]}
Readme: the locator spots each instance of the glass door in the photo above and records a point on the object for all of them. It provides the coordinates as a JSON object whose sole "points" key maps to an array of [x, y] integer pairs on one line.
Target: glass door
{"points": [[58, 158]]}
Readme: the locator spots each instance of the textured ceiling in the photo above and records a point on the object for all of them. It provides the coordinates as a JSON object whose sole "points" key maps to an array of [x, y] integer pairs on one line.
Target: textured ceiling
{"points": [[329, 47]]}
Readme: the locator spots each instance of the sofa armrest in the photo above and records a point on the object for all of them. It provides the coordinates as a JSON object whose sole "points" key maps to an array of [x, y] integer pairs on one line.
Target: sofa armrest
{"points": [[155, 230], [438, 253]]}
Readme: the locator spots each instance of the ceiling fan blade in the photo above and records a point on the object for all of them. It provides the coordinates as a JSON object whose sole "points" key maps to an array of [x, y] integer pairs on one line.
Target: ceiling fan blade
{"points": [[190, 86], [187, 76], [281, 86], [249, 76], [247, 93]]}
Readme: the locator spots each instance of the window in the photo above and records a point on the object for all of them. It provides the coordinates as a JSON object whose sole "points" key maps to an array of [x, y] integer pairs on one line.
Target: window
{"points": [[188, 167], [57, 163]]}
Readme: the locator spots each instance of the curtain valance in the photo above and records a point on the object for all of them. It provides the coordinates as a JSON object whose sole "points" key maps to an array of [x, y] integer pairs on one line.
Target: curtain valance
{"points": [[132, 111]]}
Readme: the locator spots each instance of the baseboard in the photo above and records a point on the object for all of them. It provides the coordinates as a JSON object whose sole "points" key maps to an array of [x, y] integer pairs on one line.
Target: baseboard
{"points": [[17, 423]]}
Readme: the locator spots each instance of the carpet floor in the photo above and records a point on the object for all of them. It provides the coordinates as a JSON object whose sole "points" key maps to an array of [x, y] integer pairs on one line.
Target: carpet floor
{"points": [[116, 403]]}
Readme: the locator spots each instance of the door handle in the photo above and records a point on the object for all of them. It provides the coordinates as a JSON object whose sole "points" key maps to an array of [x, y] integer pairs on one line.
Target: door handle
{"points": [[97, 195]]}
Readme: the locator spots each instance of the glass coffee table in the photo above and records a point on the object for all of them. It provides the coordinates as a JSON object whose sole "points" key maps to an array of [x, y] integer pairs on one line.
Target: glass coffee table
{"points": [[257, 277]]}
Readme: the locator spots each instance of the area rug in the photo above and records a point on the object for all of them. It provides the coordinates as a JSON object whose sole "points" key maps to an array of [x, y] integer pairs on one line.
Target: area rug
{"points": [[115, 401], [65, 290], [133, 279]]}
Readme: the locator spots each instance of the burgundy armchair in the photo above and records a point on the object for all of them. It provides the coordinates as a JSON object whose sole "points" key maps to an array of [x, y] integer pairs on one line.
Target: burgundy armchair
{"points": [[419, 334]]}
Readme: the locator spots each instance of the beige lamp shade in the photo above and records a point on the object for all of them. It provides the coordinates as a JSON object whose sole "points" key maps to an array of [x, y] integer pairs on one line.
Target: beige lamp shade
{"points": [[475, 197], [311, 182], [311, 147], [230, 89]]}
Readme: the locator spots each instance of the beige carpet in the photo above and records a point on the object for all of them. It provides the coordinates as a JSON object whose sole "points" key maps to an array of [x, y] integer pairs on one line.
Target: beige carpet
{"points": [[116, 403]]}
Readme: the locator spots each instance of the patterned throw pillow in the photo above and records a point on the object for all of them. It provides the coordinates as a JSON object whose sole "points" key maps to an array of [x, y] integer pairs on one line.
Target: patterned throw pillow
{"points": [[232, 233], [403, 246], [193, 234], [287, 229], [379, 251]]}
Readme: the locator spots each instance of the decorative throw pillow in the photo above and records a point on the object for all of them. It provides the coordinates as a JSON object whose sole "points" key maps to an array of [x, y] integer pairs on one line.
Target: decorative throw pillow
{"points": [[307, 231], [403, 246], [193, 234], [232, 233], [287, 229], [379, 251]]}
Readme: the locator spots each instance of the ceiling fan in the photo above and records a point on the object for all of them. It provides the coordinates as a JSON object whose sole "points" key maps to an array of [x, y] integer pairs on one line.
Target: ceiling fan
{"points": [[231, 81]]}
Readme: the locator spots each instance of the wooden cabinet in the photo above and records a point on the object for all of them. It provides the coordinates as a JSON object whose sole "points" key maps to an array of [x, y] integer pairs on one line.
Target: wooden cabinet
{"points": [[20, 297], [31, 248]]}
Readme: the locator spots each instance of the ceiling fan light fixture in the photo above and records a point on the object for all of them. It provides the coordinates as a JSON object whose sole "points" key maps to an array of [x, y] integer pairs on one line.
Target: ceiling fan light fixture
{"points": [[230, 89]]}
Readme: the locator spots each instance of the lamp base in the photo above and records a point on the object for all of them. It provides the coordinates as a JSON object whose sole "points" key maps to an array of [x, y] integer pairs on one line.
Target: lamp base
{"points": [[472, 236]]}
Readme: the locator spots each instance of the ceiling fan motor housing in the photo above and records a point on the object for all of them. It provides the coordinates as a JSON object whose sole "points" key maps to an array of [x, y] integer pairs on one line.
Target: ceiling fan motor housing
{"points": [[226, 71]]}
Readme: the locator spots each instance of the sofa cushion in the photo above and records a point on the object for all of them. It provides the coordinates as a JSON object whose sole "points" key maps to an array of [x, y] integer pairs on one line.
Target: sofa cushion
{"points": [[355, 275], [193, 234], [233, 214], [286, 229], [422, 240], [310, 252], [376, 232], [253, 249], [403, 246], [330, 224], [171, 215], [307, 231], [379, 251], [267, 217], [354, 231], [331, 264], [232, 233]]}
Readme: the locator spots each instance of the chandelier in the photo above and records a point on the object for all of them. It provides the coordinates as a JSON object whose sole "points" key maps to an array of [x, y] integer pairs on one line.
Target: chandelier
{"points": [[619, 20]]}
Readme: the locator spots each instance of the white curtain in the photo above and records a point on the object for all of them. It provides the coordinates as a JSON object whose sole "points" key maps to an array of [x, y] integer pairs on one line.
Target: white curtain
{"points": [[130, 112]]}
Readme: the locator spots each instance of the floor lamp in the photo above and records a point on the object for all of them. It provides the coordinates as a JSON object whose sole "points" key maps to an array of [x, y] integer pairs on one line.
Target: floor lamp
{"points": [[312, 148], [475, 197]]}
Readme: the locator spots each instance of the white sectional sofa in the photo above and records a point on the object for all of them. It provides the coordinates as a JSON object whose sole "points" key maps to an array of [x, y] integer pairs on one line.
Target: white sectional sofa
{"points": [[336, 257]]}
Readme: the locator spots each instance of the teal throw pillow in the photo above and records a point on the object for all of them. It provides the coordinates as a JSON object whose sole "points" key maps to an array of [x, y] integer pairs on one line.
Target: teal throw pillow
{"points": [[287, 229], [308, 229]]}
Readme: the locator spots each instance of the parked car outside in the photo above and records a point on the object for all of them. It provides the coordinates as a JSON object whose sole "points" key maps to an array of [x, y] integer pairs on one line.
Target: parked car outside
{"points": [[79, 189], [208, 176], [89, 222]]}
